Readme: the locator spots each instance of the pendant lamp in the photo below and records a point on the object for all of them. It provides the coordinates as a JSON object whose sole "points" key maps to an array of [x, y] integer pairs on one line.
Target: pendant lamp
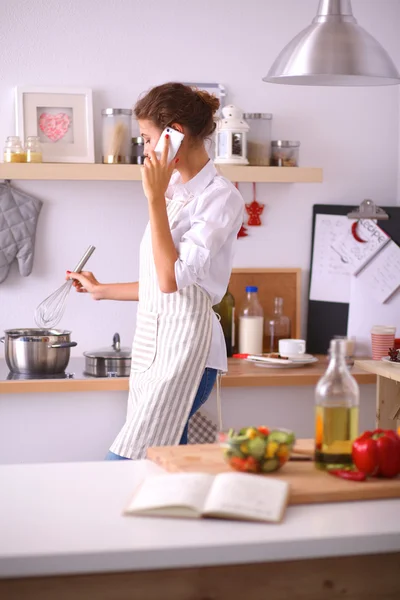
{"points": [[334, 50]]}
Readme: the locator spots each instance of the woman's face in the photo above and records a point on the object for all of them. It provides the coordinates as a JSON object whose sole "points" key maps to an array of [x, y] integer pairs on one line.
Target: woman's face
{"points": [[150, 133]]}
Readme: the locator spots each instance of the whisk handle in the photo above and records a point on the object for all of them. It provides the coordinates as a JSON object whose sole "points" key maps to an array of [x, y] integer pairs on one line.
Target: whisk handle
{"points": [[84, 259]]}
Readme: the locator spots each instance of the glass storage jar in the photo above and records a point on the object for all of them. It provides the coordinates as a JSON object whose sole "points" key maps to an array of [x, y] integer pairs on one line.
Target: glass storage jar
{"points": [[13, 150], [33, 149], [285, 153], [117, 135], [138, 150], [259, 138]]}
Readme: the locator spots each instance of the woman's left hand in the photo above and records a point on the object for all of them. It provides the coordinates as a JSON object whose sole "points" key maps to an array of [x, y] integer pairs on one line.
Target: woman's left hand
{"points": [[157, 173]]}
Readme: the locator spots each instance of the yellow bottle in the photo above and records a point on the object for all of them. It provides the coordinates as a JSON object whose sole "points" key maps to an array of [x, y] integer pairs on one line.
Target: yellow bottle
{"points": [[336, 413]]}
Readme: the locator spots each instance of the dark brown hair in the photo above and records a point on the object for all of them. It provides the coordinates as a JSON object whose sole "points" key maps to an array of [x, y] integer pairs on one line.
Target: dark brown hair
{"points": [[178, 103]]}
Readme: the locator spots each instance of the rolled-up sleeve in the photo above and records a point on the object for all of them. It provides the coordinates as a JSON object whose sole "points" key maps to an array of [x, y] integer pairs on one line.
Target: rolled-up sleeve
{"points": [[217, 216]]}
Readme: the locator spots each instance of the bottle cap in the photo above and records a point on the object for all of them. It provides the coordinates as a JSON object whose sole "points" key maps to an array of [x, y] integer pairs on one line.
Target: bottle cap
{"points": [[251, 288]]}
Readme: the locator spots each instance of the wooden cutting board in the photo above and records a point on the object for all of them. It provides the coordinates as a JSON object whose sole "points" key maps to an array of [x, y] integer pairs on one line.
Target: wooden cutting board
{"points": [[307, 484]]}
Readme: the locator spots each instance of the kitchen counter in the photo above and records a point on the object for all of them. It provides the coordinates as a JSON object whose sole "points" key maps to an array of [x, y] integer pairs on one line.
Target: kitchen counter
{"points": [[240, 374], [65, 519]]}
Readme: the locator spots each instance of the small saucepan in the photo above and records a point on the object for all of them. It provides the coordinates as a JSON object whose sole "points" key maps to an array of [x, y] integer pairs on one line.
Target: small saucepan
{"points": [[113, 361], [37, 351]]}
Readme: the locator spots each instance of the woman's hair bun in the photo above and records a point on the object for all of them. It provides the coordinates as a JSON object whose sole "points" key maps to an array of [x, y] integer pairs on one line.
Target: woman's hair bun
{"points": [[209, 99], [179, 103]]}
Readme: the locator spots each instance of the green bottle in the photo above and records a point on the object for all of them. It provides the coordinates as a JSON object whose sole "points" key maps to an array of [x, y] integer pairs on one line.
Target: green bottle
{"points": [[226, 310]]}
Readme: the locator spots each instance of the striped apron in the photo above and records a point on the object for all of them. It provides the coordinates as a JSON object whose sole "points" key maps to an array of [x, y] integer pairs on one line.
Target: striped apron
{"points": [[169, 354]]}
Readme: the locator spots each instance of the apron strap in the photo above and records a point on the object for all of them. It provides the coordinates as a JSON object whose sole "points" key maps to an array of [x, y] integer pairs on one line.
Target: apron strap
{"points": [[219, 406]]}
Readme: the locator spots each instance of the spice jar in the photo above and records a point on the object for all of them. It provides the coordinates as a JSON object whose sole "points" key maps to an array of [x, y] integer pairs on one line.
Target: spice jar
{"points": [[117, 134], [138, 150], [13, 150], [259, 138], [285, 153], [33, 149]]}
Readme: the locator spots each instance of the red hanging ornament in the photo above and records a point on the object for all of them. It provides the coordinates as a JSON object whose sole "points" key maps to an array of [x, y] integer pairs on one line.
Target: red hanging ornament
{"points": [[242, 232], [254, 210]]}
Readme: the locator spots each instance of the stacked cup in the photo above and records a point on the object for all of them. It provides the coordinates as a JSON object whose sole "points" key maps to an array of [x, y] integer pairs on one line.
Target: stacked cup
{"points": [[382, 337]]}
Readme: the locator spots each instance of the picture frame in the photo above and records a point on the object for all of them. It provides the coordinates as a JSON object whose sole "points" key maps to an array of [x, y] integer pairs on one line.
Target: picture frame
{"points": [[218, 90], [62, 118], [213, 88]]}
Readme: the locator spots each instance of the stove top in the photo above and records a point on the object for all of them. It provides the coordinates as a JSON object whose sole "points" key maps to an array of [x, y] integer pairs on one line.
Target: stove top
{"points": [[75, 370]]}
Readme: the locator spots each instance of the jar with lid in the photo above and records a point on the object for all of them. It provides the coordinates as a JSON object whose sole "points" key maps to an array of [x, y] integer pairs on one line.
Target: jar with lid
{"points": [[251, 323], [117, 135], [277, 327], [259, 138], [13, 150], [33, 149], [285, 153], [138, 150]]}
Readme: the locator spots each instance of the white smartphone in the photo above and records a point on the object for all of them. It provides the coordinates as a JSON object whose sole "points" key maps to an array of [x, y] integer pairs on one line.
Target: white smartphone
{"points": [[175, 140]]}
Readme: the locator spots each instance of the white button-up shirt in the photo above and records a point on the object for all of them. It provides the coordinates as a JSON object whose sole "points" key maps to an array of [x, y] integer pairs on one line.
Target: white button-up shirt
{"points": [[205, 236]]}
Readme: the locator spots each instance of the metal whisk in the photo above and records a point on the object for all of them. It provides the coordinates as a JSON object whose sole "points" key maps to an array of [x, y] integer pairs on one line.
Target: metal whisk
{"points": [[49, 312]]}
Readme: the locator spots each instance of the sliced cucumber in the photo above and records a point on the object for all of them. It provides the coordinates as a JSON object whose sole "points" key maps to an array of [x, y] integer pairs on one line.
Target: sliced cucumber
{"points": [[281, 437], [271, 464], [257, 448]]}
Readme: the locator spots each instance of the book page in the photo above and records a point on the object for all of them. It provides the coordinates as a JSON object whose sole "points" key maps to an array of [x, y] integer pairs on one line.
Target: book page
{"points": [[330, 274], [249, 497], [171, 490], [357, 254], [382, 276], [365, 311]]}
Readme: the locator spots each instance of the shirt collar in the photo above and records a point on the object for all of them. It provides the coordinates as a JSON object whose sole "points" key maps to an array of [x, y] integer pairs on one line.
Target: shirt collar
{"points": [[198, 183]]}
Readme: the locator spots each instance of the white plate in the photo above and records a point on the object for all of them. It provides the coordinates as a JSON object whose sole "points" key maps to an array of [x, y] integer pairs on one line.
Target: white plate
{"points": [[278, 363], [387, 359]]}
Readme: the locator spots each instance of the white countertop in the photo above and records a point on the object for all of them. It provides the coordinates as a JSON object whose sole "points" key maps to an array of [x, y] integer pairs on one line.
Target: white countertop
{"points": [[66, 518]]}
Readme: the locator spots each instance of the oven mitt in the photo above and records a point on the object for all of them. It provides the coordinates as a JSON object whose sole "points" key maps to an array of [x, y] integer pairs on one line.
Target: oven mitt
{"points": [[19, 214]]}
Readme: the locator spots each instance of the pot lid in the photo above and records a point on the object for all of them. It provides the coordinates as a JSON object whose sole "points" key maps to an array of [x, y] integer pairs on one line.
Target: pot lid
{"points": [[113, 351]]}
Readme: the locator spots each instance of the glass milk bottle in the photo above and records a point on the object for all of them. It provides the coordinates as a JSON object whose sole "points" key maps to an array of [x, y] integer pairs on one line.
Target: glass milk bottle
{"points": [[251, 324], [336, 413]]}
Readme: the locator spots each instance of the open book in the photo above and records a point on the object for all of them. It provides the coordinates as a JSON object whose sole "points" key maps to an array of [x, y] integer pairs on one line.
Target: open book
{"points": [[240, 496]]}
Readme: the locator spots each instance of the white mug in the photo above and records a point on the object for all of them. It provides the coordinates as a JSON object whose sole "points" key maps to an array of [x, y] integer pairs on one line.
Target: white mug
{"points": [[292, 347]]}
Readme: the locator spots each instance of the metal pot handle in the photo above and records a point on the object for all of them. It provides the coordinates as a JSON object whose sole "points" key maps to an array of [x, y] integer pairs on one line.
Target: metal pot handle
{"points": [[116, 342], [63, 345], [2, 339]]}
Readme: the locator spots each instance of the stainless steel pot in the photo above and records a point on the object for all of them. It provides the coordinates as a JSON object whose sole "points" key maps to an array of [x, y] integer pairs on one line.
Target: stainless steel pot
{"points": [[113, 361], [37, 351]]}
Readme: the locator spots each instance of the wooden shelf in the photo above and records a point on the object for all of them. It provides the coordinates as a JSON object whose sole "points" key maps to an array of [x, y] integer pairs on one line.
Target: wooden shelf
{"points": [[240, 374], [381, 368], [100, 172]]}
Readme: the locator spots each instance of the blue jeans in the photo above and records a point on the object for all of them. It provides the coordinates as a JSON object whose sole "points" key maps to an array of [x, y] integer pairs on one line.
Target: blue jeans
{"points": [[203, 392]]}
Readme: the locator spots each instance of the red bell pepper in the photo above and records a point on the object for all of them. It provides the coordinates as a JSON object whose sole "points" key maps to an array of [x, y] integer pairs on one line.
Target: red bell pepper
{"points": [[377, 453]]}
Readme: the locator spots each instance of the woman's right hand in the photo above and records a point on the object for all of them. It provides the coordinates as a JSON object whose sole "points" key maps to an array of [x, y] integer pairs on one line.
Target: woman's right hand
{"points": [[86, 283]]}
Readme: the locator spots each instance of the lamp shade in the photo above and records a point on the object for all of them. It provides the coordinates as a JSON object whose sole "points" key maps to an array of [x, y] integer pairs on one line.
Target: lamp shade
{"points": [[334, 50]]}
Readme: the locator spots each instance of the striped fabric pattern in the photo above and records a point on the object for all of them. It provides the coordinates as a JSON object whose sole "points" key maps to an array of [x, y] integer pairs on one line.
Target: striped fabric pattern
{"points": [[169, 353]]}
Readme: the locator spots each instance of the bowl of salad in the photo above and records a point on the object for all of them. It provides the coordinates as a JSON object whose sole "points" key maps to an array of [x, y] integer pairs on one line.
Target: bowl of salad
{"points": [[257, 449]]}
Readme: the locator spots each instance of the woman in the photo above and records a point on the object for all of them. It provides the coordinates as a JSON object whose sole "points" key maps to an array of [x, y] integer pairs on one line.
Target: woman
{"points": [[185, 264]]}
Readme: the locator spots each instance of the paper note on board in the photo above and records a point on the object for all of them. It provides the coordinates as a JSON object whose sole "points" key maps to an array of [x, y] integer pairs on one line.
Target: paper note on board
{"points": [[382, 275], [365, 311], [357, 254], [330, 274]]}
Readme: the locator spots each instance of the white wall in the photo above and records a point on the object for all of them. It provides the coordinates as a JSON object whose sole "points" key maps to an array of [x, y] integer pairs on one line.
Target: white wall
{"points": [[121, 48]]}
